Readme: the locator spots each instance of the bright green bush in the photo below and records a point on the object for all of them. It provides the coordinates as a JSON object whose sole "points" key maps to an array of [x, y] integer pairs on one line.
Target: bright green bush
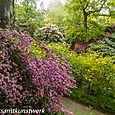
{"points": [[57, 48], [60, 48], [95, 76]]}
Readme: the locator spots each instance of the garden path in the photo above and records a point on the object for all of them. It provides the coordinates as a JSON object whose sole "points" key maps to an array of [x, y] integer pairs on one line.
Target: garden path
{"points": [[79, 109]]}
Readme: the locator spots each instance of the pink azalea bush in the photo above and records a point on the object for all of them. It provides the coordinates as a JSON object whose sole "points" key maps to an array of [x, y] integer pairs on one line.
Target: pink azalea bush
{"points": [[27, 81], [82, 47]]}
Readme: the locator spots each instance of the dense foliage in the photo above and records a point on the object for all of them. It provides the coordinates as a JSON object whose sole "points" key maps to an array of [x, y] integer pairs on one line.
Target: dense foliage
{"points": [[82, 24], [55, 16], [95, 76], [27, 81], [83, 20], [107, 47], [28, 18]]}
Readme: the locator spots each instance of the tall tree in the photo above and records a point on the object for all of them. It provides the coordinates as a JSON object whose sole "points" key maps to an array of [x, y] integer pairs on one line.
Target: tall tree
{"points": [[6, 13], [89, 7], [82, 17]]}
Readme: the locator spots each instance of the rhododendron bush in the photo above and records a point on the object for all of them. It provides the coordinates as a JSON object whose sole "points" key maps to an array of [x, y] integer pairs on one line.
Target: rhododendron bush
{"points": [[27, 81], [51, 33]]}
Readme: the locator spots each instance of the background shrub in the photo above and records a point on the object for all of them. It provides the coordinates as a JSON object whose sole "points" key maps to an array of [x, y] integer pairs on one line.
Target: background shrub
{"points": [[51, 33], [107, 47]]}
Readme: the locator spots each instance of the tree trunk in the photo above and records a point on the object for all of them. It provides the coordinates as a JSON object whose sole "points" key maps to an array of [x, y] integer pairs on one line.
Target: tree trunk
{"points": [[85, 19], [6, 13]]}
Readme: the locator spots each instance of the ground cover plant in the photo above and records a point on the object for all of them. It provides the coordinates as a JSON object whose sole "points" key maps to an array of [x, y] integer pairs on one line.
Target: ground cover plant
{"points": [[27, 81]]}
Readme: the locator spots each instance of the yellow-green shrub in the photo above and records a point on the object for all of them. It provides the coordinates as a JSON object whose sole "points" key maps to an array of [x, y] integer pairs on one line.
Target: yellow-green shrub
{"points": [[35, 47], [57, 48], [60, 48], [95, 76]]}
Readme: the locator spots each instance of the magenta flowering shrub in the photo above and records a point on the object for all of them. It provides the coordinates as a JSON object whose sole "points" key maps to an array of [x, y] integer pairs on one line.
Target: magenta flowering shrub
{"points": [[14, 75], [82, 47], [52, 78], [27, 81]]}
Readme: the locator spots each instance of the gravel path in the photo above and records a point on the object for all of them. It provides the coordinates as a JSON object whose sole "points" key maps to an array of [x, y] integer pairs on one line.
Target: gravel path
{"points": [[79, 109]]}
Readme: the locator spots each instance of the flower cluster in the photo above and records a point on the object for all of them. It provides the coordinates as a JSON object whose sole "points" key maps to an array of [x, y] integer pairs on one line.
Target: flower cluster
{"points": [[51, 33], [82, 47], [27, 81]]}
